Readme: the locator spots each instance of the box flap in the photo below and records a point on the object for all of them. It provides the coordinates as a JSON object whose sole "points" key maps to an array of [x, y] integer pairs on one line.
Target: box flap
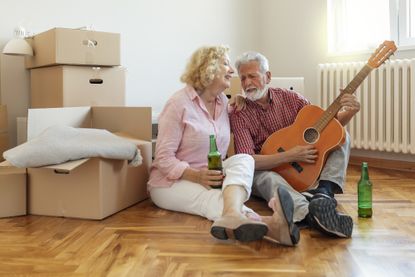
{"points": [[131, 138], [7, 168], [135, 121], [40, 119], [68, 166]]}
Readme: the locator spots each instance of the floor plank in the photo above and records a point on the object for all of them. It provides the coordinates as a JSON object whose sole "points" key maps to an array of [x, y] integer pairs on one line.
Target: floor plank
{"points": [[146, 241]]}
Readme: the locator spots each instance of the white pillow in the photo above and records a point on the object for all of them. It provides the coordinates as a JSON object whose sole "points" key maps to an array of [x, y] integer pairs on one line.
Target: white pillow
{"points": [[59, 144]]}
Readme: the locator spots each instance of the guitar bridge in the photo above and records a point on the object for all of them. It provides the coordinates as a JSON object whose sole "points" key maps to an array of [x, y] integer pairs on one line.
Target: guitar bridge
{"points": [[295, 165]]}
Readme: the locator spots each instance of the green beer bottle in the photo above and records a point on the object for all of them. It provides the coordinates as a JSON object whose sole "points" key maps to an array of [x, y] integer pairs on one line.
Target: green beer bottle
{"points": [[364, 193], [214, 157]]}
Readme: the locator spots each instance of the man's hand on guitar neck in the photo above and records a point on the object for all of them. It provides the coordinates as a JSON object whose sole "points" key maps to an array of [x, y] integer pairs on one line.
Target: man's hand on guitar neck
{"points": [[350, 106], [299, 153]]}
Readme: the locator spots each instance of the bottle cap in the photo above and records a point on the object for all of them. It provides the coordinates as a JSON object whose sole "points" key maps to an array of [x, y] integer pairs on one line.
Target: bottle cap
{"points": [[364, 164]]}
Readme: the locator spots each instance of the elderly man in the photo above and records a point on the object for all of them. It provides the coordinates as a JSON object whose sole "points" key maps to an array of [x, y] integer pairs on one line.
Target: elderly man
{"points": [[264, 111]]}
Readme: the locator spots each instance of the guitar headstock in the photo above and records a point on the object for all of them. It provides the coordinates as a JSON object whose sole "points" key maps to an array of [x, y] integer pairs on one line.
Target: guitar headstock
{"points": [[382, 53]]}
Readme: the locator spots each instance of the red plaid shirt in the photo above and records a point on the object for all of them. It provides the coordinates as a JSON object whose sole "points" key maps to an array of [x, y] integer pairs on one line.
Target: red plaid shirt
{"points": [[253, 125]]}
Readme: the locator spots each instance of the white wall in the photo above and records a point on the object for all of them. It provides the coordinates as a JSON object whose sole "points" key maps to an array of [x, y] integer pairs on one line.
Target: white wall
{"points": [[293, 35], [157, 38]]}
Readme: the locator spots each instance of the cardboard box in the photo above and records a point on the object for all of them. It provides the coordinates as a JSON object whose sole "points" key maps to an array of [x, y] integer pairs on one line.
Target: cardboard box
{"points": [[4, 137], [73, 86], [4, 144], [90, 188], [21, 123], [12, 190], [3, 119], [77, 47]]}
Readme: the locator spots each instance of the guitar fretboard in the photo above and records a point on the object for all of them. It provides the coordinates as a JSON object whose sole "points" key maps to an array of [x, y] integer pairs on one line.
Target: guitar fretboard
{"points": [[332, 110]]}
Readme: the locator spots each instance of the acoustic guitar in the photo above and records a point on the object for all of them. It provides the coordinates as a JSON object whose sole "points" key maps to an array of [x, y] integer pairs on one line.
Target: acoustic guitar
{"points": [[314, 126]]}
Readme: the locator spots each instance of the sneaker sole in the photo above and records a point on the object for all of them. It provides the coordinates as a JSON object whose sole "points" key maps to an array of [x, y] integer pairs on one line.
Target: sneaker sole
{"points": [[309, 196], [287, 205], [323, 211], [244, 233]]}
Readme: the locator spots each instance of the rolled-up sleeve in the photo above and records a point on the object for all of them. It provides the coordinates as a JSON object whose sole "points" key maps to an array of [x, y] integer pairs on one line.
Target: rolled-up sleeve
{"points": [[170, 132]]}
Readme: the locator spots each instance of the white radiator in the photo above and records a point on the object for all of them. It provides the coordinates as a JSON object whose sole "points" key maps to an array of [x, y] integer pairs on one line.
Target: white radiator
{"points": [[386, 121]]}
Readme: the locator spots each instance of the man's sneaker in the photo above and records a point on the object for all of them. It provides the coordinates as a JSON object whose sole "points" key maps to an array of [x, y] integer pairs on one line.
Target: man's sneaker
{"points": [[319, 193], [324, 217]]}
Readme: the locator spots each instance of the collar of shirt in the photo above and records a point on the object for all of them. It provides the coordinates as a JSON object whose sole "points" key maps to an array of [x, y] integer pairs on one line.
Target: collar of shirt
{"points": [[193, 95]]}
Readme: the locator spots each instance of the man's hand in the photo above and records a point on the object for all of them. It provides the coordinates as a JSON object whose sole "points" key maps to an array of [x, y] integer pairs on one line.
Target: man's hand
{"points": [[350, 106], [302, 153], [349, 103], [299, 153], [238, 102]]}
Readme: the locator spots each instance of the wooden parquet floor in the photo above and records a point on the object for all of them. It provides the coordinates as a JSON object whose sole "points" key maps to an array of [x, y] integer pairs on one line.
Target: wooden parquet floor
{"points": [[146, 241]]}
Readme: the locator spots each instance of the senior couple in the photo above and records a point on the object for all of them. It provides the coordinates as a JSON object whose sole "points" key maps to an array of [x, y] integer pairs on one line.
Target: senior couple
{"points": [[179, 178]]}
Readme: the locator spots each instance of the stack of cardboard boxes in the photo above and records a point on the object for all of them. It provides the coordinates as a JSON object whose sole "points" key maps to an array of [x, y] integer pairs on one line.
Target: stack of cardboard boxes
{"points": [[76, 68], [76, 81]]}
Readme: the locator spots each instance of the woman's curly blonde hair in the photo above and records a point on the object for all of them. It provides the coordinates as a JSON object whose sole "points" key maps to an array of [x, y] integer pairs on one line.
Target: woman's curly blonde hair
{"points": [[203, 66]]}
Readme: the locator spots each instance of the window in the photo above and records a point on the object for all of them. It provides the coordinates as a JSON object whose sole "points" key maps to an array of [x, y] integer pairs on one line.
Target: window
{"points": [[357, 25]]}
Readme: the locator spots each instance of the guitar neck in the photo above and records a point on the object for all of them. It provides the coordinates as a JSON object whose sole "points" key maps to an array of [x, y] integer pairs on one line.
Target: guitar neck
{"points": [[332, 110]]}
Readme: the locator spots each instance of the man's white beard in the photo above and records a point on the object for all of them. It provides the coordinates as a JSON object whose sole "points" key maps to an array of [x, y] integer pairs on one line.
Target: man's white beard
{"points": [[257, 94]]}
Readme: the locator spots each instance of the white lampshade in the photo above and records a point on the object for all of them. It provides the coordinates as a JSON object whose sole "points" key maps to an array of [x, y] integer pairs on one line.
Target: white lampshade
{"points": [[18, 45]]}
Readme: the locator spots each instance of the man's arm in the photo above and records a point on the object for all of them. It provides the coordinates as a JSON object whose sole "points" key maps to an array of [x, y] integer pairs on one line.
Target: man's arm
{"points": [[305, 153], [244, 144]]}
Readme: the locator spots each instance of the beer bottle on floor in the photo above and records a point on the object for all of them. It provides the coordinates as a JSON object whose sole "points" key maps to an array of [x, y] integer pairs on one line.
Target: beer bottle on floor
{"points": [[364, 193], [214, 157]]}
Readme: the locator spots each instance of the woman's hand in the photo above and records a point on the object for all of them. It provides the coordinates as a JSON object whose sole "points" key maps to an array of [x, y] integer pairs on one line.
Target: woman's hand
{"points": [[238, 102], [210, 177], [204, 176]]}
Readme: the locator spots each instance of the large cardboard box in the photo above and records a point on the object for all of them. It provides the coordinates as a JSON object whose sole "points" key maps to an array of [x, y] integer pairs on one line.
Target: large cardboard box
{"points": [[77, 47], [74, 86], [3, 118], [21, 123], [12, 190], [4, 136], [90, 188], [4, 144]]}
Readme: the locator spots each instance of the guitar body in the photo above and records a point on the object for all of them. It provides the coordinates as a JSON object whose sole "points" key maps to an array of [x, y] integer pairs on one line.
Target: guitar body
{"points": [[301, 176], [318, 128]]}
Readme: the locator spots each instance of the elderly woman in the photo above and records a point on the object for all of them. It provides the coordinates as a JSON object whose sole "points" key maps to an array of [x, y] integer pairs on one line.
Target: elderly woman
{"points": [[180, 180]]}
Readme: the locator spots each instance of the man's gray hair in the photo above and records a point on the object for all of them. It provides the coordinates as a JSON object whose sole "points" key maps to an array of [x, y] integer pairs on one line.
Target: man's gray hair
{"points": [[252, 56]]}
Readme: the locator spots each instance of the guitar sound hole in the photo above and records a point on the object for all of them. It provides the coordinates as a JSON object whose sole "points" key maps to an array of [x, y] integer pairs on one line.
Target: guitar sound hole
{"points": [[311, 135]]}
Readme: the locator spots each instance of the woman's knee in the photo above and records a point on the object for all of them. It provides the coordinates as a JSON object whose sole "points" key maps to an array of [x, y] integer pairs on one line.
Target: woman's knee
{"points": [[245, 159], [157, 198]]}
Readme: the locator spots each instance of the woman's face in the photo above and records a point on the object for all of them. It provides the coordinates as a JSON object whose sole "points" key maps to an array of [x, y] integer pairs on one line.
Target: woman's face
{"points": [[223, 76]]}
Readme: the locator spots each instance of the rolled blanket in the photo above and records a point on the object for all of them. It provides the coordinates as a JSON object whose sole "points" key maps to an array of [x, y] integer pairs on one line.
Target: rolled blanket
{"points": [[59, 144]]}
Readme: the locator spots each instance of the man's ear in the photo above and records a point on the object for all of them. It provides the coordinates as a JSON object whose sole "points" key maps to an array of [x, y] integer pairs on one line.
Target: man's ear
{"points": [[268, 76]]}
